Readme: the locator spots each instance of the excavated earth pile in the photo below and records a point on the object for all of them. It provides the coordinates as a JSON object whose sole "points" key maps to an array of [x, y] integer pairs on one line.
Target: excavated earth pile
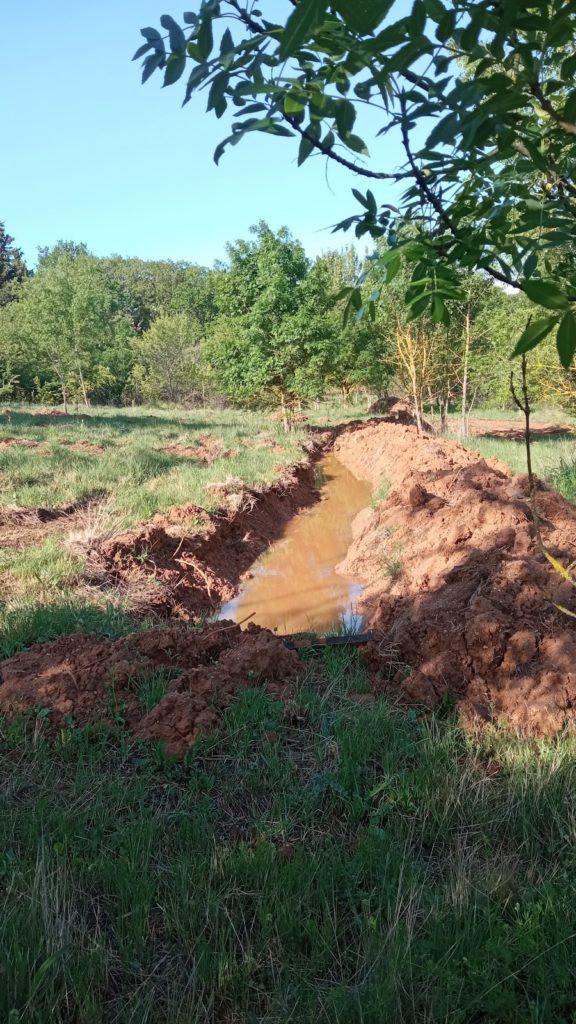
{"points": [[88, 679], [459, 596], [459, 593], [168, 568]]}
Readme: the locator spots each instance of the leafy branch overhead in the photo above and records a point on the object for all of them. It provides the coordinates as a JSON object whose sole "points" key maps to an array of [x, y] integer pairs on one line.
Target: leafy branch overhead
{"points": [[481, 99]]}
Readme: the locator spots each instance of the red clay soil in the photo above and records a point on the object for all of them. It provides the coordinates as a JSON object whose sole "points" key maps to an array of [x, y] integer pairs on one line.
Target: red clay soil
{"points": [[89, 680], [457, 589], [184, 576]]}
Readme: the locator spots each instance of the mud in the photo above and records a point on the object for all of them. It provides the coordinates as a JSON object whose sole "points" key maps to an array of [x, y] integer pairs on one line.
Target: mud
{"points": [[87, 680], [184, 572], [468, 615]]}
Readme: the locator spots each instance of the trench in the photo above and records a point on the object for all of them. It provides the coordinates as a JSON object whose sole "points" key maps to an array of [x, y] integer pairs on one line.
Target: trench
{"points": [[294, 586]]}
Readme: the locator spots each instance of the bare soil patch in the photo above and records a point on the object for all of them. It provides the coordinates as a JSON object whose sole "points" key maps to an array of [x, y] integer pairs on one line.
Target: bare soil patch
{"points": [[22, 442], [208, 450], [83, 446], [468, 614], [88, 680], [510, 431]]}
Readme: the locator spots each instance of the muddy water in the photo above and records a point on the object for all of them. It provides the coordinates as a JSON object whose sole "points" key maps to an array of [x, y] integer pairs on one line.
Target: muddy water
{"points": [[295, 586]]}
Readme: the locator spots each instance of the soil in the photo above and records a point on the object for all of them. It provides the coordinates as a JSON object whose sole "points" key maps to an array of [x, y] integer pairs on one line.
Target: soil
{"points": [[187, 573], [83, 446], [208, 450], [460, 596], [512, 432], [86, 680]]}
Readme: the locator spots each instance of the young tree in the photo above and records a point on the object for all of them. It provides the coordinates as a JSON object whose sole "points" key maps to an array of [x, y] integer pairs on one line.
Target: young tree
{"points": [[168, 364], [492, 188], [66, 316]]}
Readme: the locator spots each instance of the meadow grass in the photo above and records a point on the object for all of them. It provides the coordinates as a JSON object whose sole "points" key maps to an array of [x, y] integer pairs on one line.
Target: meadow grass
{"points": [[314, 860], [134, 472]]}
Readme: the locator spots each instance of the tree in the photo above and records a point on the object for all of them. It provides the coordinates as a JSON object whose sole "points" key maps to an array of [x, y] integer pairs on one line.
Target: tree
{"points": [[271, 344], [66, 316], [492, 188], [13, 270], [168, 363]]}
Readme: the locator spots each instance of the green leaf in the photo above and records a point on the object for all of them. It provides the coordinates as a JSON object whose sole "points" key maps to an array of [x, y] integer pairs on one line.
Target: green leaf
{"points": [[304, 18], [534, 333], [174, 68], [530, 264], [566, 338], [363, 16], [205, 38], [357, 144], [439, 310], [151, 34], [142, 50], [307, 144], [154, 61], [175, 33], [546, 293]]}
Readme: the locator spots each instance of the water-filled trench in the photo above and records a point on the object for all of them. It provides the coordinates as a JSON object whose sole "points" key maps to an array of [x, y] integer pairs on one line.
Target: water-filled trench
{"points": [[294, 586]]}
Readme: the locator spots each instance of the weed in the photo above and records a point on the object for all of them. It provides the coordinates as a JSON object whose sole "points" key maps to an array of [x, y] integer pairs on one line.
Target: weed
{"points": [[380, 493], [392, 561]]}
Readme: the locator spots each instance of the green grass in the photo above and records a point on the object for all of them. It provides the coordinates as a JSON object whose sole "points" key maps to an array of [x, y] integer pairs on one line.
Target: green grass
{"points": [[137, 475], [317, 860]]}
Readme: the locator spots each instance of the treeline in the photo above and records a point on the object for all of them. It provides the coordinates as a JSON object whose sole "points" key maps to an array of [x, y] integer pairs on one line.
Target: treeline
{"points": [[262, 329]]}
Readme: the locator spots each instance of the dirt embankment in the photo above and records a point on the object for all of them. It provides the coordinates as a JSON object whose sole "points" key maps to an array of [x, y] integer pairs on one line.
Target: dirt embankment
{"points": [[189, 562], [89, 679], [459, 595], [458, 590]]}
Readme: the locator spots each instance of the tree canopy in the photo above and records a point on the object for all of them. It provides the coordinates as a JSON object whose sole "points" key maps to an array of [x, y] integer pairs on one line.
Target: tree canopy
{"points": [[487, 84]]}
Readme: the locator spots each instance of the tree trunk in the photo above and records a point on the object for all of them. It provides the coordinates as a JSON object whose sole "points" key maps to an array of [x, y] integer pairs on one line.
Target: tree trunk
{"points": [[83, 386], [285, 420], [467, 339], [444, 406]]}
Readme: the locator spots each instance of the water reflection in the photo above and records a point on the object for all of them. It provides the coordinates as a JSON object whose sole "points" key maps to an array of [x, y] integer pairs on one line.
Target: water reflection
{"points": [[295, 587]]}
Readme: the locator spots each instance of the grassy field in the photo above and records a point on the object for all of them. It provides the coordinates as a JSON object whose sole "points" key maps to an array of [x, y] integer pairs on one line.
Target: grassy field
{"points": [[134, 469], [320, 860], [123, 477], [316, 860]]}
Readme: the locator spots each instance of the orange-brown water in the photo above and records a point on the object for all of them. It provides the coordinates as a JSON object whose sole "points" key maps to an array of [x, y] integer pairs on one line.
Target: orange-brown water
{"points": [[295, 586]]}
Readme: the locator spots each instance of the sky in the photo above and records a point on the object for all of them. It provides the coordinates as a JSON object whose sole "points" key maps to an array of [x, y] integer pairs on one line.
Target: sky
{"points": [[91, 155]]}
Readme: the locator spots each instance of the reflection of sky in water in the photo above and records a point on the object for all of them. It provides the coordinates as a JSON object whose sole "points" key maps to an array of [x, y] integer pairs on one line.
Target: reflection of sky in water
{"points": [[294, 585]]}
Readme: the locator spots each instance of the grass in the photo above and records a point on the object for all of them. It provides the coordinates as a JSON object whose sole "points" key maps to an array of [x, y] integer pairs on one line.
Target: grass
{"points": [[319, 860], [130, 480], [138, 476], [326, 859]]}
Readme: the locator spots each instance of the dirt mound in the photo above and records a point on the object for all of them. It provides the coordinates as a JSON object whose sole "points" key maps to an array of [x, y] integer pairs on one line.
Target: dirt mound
{"points": [[22, 442], [87, 679], [396, 410], [83, 446], [468, 610], [208, 450], [185, 576]]}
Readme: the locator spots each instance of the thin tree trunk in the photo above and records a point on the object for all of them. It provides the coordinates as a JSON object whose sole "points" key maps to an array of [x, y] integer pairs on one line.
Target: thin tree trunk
{"points": [[467, 333], [444, 406], [285, 421], [82, 385]]}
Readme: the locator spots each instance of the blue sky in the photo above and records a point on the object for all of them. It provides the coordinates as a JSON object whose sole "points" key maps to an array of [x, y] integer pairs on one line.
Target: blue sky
{"points": [[90, 154]]}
